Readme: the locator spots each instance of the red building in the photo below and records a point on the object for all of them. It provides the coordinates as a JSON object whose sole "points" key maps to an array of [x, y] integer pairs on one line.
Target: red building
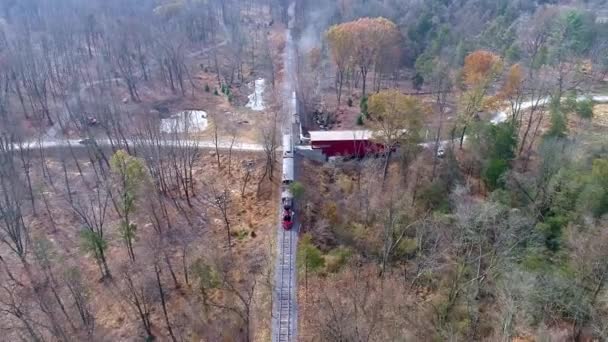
{"points": [[344, 143]]}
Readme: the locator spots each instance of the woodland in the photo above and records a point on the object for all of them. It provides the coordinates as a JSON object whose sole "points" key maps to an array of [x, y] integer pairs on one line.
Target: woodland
{"points": [[483, 221], [486, 219]]}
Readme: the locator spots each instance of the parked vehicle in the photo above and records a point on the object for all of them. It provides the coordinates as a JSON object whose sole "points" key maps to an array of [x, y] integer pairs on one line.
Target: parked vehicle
{"points": [[441, 152], [87, 141]]}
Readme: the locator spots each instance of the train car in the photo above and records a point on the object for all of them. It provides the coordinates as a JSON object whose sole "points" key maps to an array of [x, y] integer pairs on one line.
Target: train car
{"points": [[288, 178], [286, 200], [288, 170], [287, 146], [288, 162], [295, 117]]}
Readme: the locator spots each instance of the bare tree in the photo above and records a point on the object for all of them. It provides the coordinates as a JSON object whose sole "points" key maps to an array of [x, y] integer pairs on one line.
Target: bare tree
{"points": [[15, 233], [80, 296], [14, 306], [92, 211], [161, 291], [269, 136], [237, 296], [139, 291], [220, 199]]}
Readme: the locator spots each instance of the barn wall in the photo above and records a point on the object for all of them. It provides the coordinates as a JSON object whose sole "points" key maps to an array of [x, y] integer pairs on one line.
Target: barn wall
{"points": [[347, 147]]}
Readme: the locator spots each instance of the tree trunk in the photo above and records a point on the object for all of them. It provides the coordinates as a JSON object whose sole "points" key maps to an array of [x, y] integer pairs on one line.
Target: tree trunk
{"points": [[106, 269], [185, 265], [339, 84], [363, 81], [163, 301], [462, 135], [386, 164], [171, 271]]}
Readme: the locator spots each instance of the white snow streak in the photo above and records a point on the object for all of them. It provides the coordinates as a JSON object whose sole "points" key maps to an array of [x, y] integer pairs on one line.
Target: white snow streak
{"points": [[256, 99], [188, 121]]}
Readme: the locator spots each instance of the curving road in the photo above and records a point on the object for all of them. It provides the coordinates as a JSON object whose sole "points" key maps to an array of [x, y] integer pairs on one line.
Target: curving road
{"points": [[502, 116], [104, 143]]}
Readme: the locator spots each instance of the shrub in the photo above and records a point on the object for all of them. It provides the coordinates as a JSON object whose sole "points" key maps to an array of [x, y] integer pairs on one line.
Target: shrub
{"points": [[558, 121], [360, 120], [535, 261], [364, 107], [498, 145], [556, 297], [504, 141], [93, 242], [570, 102], [206, 275], [352, 234], [337, 258], [433, 197], [330, 212], [345, 183], [417, 81], [309, 256], [552, 231], [297, 190], [513, 53], [240, 234], [493, 171], [584, 108], [594, 196], [406, 248]]}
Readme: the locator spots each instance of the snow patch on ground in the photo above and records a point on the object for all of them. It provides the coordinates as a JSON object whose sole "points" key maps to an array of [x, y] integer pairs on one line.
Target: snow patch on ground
{"points": [[256, 99], [188, 121]]}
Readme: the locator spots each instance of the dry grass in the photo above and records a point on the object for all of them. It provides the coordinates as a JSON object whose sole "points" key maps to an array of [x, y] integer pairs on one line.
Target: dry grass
{"points": [[254, 224], [600, 115]]}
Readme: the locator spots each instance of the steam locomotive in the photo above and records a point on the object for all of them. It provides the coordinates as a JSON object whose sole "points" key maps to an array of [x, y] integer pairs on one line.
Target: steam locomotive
{"points": [[287, 180]]}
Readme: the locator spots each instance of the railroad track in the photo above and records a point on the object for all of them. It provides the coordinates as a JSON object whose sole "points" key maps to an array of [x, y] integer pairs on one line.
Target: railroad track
{"points": [[285, 311], [286, 289]]}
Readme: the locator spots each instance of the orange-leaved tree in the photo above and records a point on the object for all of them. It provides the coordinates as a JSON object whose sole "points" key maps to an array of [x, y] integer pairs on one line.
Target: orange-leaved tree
{"points": [[364, 42], [481, 68], [340, 47], [372, 38], [513, 92], [396, 119]]}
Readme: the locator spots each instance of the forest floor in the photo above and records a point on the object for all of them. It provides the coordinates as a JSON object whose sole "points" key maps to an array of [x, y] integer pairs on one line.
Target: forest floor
{"points": [[157, 103], [253, 222], [600, 113], [345, 118], [348, 276], [202, 91], [328, 198]]}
